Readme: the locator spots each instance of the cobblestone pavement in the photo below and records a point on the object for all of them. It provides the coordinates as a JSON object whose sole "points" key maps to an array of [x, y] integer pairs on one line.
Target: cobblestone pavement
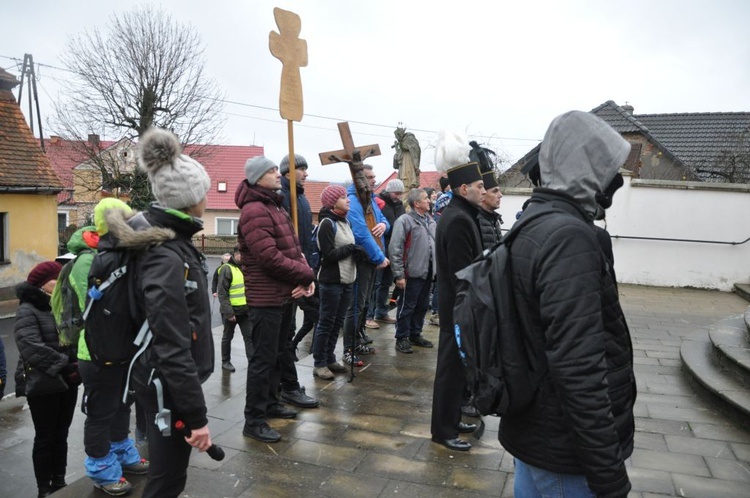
{"points": [[370, 438]]}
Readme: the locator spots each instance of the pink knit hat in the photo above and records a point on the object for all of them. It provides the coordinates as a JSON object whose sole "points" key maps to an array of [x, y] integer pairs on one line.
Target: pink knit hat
{"points": [[331, 194]]}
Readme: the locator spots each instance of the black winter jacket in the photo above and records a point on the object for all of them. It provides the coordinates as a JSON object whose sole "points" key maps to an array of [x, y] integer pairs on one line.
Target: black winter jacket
{"points": [[304, 215], [489, 227], [38, 344], [182, 350], [581, 421], [391, 210]]}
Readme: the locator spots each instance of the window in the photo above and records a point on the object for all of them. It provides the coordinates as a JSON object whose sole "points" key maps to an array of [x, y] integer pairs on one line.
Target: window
{"points": [[226, 226], [222, 186], [62, 220], [3, 237]]}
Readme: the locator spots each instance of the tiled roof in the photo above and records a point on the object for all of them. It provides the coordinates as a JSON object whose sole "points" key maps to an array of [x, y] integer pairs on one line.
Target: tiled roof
{"points": [[426, 179], [313, 189], [23, 165], [693, 141], [223, 163], [64, 155]]}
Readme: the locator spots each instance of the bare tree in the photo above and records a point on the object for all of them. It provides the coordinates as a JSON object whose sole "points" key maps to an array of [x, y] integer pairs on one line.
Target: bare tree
{"points": [[145, 70], [732, 164]]}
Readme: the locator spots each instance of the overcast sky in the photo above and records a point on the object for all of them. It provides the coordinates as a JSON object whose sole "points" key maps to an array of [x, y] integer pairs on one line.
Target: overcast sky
{"points": [[498, 71]]}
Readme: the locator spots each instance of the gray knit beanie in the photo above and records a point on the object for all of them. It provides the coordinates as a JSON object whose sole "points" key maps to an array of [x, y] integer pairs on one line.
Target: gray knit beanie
{"points": [[256, 167], [177, 180], [395, 185], [299, 163]]}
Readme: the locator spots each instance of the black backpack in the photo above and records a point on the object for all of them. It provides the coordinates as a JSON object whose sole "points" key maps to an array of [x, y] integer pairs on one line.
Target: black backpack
{"points": [[315, 257], [112, 316], [501, 375]]}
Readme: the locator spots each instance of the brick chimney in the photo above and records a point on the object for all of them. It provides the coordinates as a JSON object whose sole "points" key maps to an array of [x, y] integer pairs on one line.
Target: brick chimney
{"points": [[628, 108], [7, 83], [94, 139]]}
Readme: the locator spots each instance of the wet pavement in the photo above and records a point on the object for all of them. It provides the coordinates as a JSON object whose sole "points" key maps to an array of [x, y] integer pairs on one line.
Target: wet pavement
{"points": [[371, 437]]}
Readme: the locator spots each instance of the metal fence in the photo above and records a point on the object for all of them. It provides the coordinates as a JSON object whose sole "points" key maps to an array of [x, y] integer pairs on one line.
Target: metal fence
{"points": [[215, 244]]}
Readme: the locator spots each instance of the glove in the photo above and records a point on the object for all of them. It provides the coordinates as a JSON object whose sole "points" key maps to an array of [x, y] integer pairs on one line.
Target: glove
{"points": [[71, 375], [359, 254]]}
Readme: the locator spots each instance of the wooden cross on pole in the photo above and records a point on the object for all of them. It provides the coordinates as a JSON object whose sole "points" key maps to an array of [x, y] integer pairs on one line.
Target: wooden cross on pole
{"points": [[354, 157], [292, 52]]}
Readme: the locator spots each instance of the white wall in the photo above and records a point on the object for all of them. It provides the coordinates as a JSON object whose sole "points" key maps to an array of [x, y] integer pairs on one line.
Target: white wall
{"points": [[675, 210]]}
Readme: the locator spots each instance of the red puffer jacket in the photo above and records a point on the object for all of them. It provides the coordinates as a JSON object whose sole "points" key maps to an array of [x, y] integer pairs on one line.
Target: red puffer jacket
{"points": [[272, 261]]}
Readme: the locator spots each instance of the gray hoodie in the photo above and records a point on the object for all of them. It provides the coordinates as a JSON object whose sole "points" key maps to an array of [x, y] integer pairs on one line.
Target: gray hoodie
{"points": [[580, 155]]}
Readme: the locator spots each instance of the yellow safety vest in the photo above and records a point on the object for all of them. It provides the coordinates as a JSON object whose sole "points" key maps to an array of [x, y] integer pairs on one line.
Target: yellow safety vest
{"points": [[237, 289]]}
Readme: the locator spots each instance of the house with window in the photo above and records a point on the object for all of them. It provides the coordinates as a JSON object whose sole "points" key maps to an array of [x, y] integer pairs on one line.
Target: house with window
{"points": [[698, 146], [28, 194]]}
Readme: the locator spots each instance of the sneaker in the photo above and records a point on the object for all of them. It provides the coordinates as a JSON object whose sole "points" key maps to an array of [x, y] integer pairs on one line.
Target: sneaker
{"points": [[420, 341], [118, 488], [434, 320], [351, 359], [138, 468], [262, 433], [279, 410], [299, 398], [227, 365], [403, 346], [337, 368], [385, 319], [323, 373], [364, 338], [372, 324], [364, 350]]}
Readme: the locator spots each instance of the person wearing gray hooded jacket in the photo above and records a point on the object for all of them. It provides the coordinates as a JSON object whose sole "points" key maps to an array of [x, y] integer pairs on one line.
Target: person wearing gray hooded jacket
{"points": [[579, 430]]}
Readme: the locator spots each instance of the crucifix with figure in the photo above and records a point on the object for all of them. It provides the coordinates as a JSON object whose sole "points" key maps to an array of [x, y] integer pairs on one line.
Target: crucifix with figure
{"points": [[354, 156]]}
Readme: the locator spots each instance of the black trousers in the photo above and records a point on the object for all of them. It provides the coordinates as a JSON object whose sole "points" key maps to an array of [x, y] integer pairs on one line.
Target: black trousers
{"points": [[354, 323], [450, 381], [107, 417], [168, 456], [310, 307], [228, 334], [271, 335], [52, 415]]}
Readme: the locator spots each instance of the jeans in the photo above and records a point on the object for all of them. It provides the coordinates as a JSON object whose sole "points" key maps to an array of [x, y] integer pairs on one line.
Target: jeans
{"points": [[270, 336], [226, 337], [533, 482], [334, 301], [354, 322], [52, 415], [107, 417], [310, 307], [373, 301], [412, 307], [434, 301]]}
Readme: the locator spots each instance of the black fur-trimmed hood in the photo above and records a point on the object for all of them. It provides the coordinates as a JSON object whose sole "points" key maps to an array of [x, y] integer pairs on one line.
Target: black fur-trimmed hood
{"points": [[35, 296]]}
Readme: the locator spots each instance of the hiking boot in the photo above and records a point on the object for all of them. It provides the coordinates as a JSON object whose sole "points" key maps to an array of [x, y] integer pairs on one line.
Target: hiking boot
{"points": [[435, 320], [385, 319], [323, 373], [119, 488], [403, 346], [420, 341], [364, 338], [299, 398], [351, 359], [364, 350], [227, 365], [372, 324], [138, 468], [337, 368], [279, 410]]}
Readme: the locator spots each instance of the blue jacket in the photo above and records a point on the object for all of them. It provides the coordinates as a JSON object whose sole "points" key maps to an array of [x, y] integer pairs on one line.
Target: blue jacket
{"points": [[362, 235]]}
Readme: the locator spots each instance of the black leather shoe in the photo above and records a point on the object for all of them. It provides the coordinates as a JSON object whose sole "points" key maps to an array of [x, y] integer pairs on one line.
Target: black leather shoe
{"points": [[455, 444], [470, 411], [299, 398], [262, 433], [280, 411], [420, 341], [465, 428]]}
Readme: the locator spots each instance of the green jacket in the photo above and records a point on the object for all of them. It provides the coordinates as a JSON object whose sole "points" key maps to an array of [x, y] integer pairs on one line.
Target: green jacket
{"points": [[79, 276]]}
